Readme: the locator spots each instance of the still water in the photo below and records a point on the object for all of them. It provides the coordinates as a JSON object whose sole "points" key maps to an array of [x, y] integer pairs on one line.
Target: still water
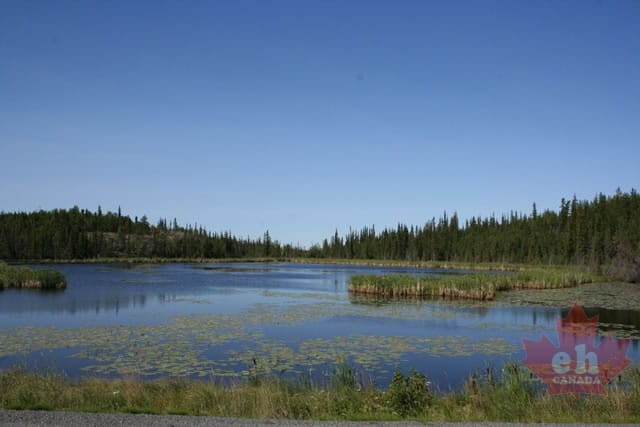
{"points": [[217, 321]]}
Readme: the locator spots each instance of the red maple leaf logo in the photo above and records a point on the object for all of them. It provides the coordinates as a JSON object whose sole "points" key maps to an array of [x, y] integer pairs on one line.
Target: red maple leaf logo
{"points": [[577, 365]]}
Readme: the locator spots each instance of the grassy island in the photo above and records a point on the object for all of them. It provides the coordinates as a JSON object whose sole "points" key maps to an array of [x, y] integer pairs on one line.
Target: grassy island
{"points": [[476, 286], [22, 277]]}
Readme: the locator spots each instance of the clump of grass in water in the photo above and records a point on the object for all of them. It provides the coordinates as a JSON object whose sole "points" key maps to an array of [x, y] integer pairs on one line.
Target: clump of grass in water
{"points": [[512, 397], [22, 277], [397, 286], [476, 286]]}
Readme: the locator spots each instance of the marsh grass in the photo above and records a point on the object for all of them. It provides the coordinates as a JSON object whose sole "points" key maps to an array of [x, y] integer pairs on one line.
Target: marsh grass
{"points": [[476, 286], [22, 277], [444, 265], [512, 396], [141, 262]]}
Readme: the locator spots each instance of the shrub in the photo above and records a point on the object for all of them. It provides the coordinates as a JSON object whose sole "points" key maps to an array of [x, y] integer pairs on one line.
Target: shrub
{"points": [[625, 266], [409, 395]]}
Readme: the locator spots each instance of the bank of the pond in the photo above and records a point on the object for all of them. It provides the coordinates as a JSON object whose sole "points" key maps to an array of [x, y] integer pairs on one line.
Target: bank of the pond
{"points": [[514, 397], [23, 277], [444, 265], [476, 286]]}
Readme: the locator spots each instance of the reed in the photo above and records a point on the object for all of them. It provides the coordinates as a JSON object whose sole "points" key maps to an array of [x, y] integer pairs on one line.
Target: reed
{"points": [[512, 397], [22, 277], [475, 286], [445, 265]]}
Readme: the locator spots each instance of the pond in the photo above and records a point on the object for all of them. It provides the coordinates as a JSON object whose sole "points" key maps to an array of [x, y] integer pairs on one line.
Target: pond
{"points": [[229, 321]]}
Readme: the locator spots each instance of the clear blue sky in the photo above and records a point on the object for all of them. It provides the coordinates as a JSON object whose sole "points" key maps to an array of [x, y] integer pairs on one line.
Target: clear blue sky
{"points": [[303, 117]]}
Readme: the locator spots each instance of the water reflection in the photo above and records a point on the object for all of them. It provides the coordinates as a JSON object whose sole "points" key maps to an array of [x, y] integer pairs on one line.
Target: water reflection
{"points": [[532, 315], [26, 303], [121, 287], [609, 317]]}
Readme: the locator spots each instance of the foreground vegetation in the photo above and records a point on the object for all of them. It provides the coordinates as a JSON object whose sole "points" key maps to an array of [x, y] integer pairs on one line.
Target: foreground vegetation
{"points": [[22, 277], [478, 286], [511, 397]]}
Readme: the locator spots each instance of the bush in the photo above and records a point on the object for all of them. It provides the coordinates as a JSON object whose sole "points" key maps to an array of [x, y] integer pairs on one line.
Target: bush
{"points": [[625, 266], [409, 395]]}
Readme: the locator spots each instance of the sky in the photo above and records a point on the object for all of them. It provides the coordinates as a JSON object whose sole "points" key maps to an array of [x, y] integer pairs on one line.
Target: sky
{"points": [[305, 117]]}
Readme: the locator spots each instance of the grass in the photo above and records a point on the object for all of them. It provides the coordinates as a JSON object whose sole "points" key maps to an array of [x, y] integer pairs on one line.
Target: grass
{"points": [[447, 265], [477, 286], [152, 260], [22, 277], [513, 397]]}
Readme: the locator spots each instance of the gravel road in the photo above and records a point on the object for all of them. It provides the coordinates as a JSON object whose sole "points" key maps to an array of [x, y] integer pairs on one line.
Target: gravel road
{"points": [[81, 419]]}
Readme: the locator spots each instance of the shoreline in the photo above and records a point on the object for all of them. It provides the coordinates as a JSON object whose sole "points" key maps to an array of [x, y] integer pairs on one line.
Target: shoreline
{"points": [[512, 398], [444, 265]]}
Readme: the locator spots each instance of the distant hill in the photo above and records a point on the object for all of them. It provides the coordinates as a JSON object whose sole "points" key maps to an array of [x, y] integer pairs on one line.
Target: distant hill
{"points": [[81, 234]]}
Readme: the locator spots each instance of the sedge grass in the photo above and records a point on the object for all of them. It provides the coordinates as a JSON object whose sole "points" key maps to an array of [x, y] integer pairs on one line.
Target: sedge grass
{"points": [[445, 265], [22, 277], [476, 286], [513, 397]]}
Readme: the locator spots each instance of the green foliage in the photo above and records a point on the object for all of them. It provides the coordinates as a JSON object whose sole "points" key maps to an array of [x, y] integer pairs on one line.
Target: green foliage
{"points": [[409, 395], [510, 397]]}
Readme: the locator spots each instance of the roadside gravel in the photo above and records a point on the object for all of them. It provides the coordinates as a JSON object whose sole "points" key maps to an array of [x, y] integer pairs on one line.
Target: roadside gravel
{"points": [[82, 419]]}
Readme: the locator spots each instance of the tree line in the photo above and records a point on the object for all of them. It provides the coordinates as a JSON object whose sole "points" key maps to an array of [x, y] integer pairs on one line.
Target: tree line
{"points": [[591, 232], [81, 234], [580, 232]]}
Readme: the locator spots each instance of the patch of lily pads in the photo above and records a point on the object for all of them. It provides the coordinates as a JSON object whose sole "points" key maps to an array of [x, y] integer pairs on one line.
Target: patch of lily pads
{"points": [[613, 296], [229, 345]]}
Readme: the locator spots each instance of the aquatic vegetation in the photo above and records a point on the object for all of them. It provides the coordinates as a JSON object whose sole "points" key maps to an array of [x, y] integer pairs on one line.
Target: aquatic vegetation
{"points": [[428, 287], [617, 296], [233, 269], [443, 265], [475, 286], [226, 345], [301, 295], [22, 277]]}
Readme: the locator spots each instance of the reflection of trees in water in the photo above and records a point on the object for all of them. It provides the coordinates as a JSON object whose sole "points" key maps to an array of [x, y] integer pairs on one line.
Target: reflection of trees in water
{"points": [[97, 303], [105, 304], [615, 321], [166, 298], [538, 315], [117, 303], [532, 315], [606, 315], [623, 317]]}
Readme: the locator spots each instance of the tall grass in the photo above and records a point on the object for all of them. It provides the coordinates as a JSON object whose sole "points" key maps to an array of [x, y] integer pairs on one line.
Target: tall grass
{"points": [[512, 397], [477, 286], [445, 265], [22, 277]]}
